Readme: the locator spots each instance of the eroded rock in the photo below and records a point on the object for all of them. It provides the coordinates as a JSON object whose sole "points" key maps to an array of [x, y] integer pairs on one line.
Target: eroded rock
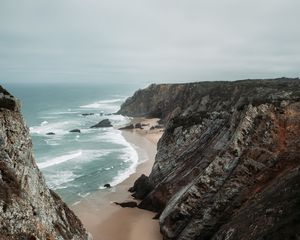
{"points": [[141, 188], [28, 209], [102, 124], [227, 165]]}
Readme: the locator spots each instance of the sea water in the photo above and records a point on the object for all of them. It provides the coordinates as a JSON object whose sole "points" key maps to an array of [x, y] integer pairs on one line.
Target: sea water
{"points": [[77, 164]]}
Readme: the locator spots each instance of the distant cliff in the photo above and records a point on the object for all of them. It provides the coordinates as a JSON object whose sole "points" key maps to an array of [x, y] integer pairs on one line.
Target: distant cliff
{"points": [[228, 163], [28, 209]]}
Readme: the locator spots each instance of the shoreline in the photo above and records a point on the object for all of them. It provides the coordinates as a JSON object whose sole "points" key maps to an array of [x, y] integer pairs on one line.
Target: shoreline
{"points": [[108, 221]]}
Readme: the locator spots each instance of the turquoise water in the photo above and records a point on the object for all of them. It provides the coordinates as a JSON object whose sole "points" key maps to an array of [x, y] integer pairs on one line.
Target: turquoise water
{"points": [[76, 164]]}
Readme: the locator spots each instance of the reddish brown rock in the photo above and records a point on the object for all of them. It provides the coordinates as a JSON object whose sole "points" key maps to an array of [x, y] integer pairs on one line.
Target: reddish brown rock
{"points": [[228, 163]]}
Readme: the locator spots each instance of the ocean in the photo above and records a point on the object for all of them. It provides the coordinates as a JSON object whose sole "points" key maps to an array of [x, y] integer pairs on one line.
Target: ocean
{"points": [[77, 164]]}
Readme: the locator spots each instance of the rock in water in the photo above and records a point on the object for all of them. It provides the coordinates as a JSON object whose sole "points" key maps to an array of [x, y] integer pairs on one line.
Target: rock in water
{"points": [[107, 185], [50, 133], [227, 165], [87, 114], [102, 124], [75, 131], [28, 209]]}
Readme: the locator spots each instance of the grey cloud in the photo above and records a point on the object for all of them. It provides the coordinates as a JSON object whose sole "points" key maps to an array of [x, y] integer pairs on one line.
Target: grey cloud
{"points": [[148, 40]]}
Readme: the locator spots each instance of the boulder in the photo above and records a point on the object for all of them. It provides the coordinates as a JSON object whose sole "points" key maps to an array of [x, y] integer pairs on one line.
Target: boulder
{"points": [[102, 124], [141, 188], [107, 185]]}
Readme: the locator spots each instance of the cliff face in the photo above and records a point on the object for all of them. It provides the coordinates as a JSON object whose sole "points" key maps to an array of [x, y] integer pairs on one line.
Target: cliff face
{"points": [[228, 163], [28, 209]]}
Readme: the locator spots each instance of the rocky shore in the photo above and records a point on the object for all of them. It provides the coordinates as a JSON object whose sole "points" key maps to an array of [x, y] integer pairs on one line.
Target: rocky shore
{"points": [[227, 167], [228, 162], [111, 214], [28, 209]]}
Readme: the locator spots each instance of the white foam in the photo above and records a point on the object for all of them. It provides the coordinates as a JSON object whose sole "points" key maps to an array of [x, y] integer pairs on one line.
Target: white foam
{"points": [[59, 128], [48, 117], [83, 195], [108, 105], [113, 136], [59, 160], [108, 168], [44, 123], [62, 112], [91, 155], [129, 155], [58, 180], [62, 178], [119, 120], [80, 156], [52, 142], [75, 203]]}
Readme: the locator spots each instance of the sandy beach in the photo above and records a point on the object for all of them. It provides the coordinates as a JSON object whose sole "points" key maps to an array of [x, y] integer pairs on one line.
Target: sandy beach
{"points": [[108, 221]]}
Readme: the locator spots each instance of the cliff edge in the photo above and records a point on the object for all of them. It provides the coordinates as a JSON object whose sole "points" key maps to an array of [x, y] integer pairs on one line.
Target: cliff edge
{"points": [[28, 209], [227, 165]]}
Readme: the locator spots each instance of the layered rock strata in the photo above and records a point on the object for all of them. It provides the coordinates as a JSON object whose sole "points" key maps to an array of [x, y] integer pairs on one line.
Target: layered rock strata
{"points": [[28, 209], [228, 163]]}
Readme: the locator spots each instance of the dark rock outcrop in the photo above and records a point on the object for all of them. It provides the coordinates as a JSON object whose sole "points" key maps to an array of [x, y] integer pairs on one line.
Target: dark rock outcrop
{"points": [[128, 127], [141, 188], [7, 101], [50, 133], [75, 131], [107, 185], [87, 114], [228, 164], [160, 126], [133, 126], [138, 125], [102, 124], [28, 209], [130, 204]]}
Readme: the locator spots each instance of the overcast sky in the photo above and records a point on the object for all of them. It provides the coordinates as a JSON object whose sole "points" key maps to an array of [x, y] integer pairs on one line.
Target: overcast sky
{"points": [[148, 40]]}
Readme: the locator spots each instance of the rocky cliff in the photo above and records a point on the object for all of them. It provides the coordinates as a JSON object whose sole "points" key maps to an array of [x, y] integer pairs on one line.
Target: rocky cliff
{"points": [[228, 163], [28, 209]]}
